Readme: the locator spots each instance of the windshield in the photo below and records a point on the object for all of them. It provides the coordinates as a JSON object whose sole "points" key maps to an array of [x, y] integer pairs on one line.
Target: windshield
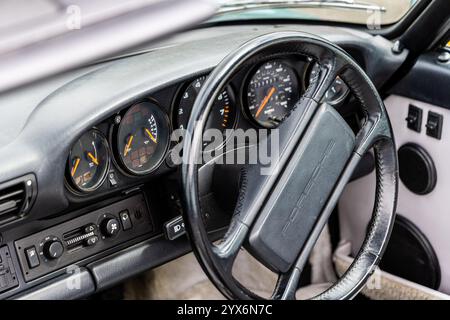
{"points": [[373, 13]]}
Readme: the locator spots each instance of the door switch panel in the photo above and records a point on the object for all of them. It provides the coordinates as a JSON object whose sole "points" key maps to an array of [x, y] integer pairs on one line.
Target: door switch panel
{"points": [[77, 239]]}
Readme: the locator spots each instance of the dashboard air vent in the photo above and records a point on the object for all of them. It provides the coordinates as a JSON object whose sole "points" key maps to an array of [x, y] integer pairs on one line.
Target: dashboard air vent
{"points": [[16, 198]]}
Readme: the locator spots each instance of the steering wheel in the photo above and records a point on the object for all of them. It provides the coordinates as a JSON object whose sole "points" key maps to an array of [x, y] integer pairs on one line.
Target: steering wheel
{"points": [[281, 213]]}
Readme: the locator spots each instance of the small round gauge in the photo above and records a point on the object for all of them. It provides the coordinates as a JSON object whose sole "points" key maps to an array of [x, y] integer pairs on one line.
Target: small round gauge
{"points": [[221, 117], [337, 92], [88, 161], [272, 92], [142, 138]]}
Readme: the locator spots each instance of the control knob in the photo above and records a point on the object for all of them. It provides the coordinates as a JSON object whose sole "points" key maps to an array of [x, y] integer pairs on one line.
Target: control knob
{"points": [[53, 249], [109, 227]]}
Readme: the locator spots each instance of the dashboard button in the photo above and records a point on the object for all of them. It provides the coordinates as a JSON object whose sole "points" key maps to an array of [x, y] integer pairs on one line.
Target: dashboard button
{"points": [[112, 179], [125, 219], [32, 257], [175, 228], [92, 241], [90, 228]]}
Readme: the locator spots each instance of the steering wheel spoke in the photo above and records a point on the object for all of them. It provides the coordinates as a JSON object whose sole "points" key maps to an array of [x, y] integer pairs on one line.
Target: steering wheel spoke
{"points": [[228, 249], [323, 76], [375, 128], [287, 285]]}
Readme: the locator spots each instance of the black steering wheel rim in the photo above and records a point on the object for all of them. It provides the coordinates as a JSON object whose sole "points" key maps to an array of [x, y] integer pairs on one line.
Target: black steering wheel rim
{"points": [[376, 134]]}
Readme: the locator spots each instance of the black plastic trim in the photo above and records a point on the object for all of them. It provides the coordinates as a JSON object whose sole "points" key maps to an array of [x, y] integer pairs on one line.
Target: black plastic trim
{"points": [[139, 258], [425, 245], [418, 181], [428, 81], [70, 286]]}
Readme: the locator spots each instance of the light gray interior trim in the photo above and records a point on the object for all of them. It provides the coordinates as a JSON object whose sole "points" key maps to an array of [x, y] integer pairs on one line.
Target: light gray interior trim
{"points": [[429, 212], [61, 49]]}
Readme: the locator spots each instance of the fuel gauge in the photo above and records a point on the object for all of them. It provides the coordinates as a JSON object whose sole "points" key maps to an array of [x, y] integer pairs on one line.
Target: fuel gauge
{"points": [[88, 161]]}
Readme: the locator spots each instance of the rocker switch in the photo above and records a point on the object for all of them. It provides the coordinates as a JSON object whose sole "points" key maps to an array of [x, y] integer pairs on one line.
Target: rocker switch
{"points": [[414, 118], [434, 125]]}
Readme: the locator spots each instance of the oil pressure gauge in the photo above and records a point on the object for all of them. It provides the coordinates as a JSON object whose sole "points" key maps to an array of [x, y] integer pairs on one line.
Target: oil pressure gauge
{"points": [[142, 138]]}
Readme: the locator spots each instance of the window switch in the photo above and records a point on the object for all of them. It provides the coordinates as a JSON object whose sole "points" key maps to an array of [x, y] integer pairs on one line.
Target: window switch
{"points": [[414, 119], [434, 125], [32, 257]]}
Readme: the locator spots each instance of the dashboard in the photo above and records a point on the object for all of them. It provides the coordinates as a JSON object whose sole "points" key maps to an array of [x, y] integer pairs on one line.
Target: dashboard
{"points": [[95, 148]]}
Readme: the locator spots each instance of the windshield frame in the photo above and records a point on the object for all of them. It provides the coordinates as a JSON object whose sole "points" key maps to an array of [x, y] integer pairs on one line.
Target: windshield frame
{"points": [[389, 31]]}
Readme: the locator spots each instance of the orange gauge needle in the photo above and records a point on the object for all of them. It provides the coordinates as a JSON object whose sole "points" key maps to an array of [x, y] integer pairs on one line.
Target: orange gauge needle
{"points": [[264, 103], [128, 146], [75, 167], [150, 135], [94, 159]]}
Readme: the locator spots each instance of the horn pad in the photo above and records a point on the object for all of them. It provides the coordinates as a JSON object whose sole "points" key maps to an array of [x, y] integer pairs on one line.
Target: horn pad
{"points": [[302, 191]]}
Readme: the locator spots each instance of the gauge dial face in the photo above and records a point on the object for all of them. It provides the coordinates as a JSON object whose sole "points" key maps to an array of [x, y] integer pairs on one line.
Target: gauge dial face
{"points": [[142, 138], [89, 161], [221, 117], [272, 92], [337, 92]]}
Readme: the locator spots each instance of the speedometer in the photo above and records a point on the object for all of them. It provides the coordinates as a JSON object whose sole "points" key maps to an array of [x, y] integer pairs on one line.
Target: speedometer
{"points": [[272, 92]]}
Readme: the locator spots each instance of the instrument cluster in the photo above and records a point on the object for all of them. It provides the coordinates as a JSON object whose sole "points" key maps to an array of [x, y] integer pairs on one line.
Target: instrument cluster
{"points": [[134, 143]]}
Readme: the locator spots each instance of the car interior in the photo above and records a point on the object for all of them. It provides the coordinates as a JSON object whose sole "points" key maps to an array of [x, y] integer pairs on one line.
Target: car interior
{"points": [[234, 149]]}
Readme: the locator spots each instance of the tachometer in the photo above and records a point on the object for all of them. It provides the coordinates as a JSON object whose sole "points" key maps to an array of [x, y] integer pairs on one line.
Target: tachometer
{"points": [[142, 138], [223, 113], [88, 161], [272, 92]]}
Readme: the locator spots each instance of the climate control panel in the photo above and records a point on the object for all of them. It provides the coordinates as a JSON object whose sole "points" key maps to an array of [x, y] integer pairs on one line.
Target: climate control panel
{"points": [[77, 239]]}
